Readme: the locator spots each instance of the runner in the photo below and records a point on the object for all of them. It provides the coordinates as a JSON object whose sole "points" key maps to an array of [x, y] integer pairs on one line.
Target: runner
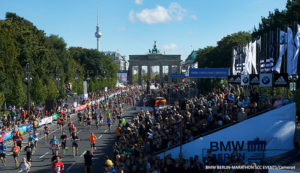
{"points": [[19, 139], [93, 142], [28, 150], [31, 141], [79, 116], [16, 150], [36, 138], [109, 123], [3, 149], [62, 123], [70, 125], [25, 166], [35, 124], [58, 121], [74, 130], [53, 139], [75, 140], [54, 148], [101, 119], [58, 166], [88, 120], [46, 129], [63, 141], [97, 121]]}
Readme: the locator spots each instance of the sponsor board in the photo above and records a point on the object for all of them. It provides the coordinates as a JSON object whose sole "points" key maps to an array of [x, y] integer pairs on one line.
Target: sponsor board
{"points": [[254, 79], [280, 80], [265, 79], [245, 80]]}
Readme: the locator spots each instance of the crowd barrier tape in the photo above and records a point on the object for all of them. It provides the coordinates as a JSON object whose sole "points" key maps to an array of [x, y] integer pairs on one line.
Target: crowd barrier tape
{"points": [[24, 128]]}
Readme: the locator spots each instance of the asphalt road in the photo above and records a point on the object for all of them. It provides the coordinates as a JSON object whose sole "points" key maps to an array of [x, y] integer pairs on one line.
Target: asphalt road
{"points": [[41, 158]]}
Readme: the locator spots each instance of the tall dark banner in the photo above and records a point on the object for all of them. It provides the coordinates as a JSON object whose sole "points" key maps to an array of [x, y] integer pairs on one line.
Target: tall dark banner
{"points": [[280, 80], [231, 79], [254, 79]]}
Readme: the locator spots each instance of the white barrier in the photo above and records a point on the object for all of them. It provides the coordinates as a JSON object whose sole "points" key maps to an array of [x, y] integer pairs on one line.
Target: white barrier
{"points": [[266, 135]]}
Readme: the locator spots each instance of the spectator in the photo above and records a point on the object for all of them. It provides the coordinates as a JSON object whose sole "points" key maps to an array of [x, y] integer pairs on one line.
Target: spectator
{"points": [[88, 161]]}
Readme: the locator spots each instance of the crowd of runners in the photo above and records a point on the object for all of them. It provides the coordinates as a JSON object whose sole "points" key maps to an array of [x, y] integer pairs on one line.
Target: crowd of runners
{"points": [[104, 113]]}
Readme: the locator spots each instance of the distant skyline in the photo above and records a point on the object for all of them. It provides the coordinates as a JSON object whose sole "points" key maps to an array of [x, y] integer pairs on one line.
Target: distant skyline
{"points": [[131, 26]]}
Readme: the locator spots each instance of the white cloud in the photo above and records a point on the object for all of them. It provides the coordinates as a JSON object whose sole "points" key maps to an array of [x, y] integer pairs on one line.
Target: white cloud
{"points": [[194, 17], [171, 47], [159, 14], [156, 15], [131, 16], [176, 11], [139, 2]]}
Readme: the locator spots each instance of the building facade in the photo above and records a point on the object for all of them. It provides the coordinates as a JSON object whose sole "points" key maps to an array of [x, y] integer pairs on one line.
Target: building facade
{"points": [[118, 59]]}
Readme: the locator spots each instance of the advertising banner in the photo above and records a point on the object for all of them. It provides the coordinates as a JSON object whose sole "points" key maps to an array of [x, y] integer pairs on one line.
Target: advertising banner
{"points": [[265, 79], [266, 135], [8, 135], [208, 72], [280, 80], [177, 75], [81, 107], [245, 80], [122, 77], [254, 79]]}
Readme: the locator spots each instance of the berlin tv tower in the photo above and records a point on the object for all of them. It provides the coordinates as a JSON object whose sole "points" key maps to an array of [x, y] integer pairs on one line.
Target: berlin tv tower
{"points": [[98, 33]]}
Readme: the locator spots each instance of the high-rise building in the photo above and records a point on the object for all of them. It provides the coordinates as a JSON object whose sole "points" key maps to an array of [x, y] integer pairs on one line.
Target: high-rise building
{"points": [[98, 33]]}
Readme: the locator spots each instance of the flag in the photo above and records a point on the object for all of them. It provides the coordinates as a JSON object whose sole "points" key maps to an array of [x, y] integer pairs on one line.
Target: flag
{"points": [[290, 50], [282, 49], [253, 56], [297, 47], [234, 70], [248, 61]]}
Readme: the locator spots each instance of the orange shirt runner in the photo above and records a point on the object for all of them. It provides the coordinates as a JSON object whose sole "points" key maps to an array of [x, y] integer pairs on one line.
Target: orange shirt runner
{"points": [[93, 139]]}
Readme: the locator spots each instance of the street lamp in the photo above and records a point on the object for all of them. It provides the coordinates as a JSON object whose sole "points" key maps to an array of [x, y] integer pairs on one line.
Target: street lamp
{"points": [[28, 78]]}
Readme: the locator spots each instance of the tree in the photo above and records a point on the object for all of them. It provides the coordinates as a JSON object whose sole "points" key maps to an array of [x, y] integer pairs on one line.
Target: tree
{"points": [[38, 91]]}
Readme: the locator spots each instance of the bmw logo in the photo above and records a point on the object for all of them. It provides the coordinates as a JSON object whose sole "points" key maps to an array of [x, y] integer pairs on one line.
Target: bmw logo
{"points": [[265, 80], [245, 80]]}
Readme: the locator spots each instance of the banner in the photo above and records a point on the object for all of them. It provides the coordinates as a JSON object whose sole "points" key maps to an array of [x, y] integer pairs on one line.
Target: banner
{"points": [[265, 80], [2, 135], [208, 72], [254, 79], [81, 107], [231, 79], [290, 51], [296, 54], [282, 49], [245, 80], [280, 80], [177, 75], [269, 134], [85, 93]]}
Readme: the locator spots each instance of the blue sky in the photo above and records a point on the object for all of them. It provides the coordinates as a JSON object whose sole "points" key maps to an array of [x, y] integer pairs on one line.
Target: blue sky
{"points": [[131, 26]]}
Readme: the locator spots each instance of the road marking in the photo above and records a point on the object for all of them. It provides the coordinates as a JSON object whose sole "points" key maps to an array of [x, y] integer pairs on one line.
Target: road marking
{"points": [[99, 136], [82, 153], [105, 131], [44, 155], [70, 167]]}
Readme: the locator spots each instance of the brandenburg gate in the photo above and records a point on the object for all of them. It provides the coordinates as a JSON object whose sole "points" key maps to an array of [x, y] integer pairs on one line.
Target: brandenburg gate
{"points": [[154, 58]]}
